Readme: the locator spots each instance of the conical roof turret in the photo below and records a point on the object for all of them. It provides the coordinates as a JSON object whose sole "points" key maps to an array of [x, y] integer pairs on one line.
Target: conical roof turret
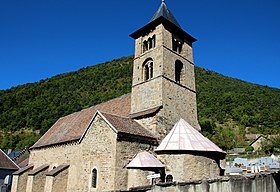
{"points": [[183, 137]]}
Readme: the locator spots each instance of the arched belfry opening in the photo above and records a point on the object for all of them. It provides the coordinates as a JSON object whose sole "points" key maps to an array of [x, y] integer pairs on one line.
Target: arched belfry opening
{"points": [[178, 71], [148, 69], [148, 44]]}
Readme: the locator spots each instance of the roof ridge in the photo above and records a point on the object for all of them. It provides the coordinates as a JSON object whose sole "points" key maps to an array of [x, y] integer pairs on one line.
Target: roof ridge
{"points": [[93, 106]]}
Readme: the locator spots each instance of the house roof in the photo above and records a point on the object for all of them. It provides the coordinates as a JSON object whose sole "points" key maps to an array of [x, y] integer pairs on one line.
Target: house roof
{"points": [[22, 158], [72, 127], [145, 160], [6, 162], [183, 137]]}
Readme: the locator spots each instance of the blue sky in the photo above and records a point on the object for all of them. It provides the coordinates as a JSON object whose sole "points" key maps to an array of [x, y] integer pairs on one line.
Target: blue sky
{"points": [[43, 38]]}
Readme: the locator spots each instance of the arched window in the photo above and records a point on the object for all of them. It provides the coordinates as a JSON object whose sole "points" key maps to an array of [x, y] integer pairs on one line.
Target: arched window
{"points": [[178, 71], [169, 178], [148, 69], [94, 178], [149, 43]]}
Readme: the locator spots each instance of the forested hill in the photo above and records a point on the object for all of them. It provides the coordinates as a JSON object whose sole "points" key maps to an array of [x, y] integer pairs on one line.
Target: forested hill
{"points": [[27, 111]]}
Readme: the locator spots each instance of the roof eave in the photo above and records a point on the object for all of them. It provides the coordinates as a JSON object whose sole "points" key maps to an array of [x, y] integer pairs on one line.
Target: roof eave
{"points": [[164, 21], [182, 151]]}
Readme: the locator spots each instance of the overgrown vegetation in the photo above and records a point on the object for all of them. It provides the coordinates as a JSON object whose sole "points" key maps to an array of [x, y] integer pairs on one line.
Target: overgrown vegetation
{"points": [[227, 108]]}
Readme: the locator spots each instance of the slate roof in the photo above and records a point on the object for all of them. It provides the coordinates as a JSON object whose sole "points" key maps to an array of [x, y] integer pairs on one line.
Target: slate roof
{"points": [[164, 16], [183, 137], [72, 127], [145, 160], [163, 11], [6, 162]]}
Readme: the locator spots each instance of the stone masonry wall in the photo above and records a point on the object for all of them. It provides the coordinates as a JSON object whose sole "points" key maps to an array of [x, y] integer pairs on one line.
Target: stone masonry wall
{"points": [[177, 99], [97, 150], [39, 181], [22, 181], [242, 183], [138, 177], [125, 152], [60, 181], [184, 167]]}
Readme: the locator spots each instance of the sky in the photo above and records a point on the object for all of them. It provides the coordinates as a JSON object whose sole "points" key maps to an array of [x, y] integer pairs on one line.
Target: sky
{"points": [[43, 38]]}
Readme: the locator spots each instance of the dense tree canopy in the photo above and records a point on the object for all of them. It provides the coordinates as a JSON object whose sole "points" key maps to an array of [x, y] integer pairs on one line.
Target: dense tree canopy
{"points": [[227, 107]]}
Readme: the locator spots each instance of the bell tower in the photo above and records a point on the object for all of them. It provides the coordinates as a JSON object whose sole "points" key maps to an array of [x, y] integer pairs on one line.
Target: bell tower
{"points": [[163, 85]]}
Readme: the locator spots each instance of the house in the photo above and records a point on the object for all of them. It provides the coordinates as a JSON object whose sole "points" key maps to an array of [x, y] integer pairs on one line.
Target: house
{"points": [[151, 133], [7, 167]]}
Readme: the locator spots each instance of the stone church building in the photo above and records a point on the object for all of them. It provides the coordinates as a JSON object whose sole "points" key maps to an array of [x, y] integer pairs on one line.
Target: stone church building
{"points": [[150, 135]]}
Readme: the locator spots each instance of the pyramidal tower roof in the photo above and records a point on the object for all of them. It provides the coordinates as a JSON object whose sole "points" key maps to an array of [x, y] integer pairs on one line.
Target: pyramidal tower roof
{"points": [[165, 17], [163, 11], [183, 137], [144, 160]]}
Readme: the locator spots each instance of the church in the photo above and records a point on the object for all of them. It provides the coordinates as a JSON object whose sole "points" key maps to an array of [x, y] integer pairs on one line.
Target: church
{"points": [[150, 135]]}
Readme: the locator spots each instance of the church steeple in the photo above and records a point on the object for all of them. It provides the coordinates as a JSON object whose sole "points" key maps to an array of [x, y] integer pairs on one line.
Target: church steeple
{"points": [[163, 74], [164, 12]]}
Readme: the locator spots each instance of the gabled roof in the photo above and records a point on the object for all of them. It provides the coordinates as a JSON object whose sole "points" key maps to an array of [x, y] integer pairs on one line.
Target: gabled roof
{"points": [[183, 137], [145, 160], [72, 127], [122, 125], [6, 162], [163, 11]]}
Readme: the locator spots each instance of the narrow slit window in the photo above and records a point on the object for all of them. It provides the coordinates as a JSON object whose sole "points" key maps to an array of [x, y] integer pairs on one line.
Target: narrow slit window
{"points": [[94, 178]]}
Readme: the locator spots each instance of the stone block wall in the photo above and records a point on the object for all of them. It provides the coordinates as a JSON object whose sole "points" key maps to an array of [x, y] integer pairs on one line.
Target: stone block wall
{"points": [[146, 95], [20, 178], [266, 182], [126, 150], [97, 150], [36, 179], [137, 177], [60, 181], [184, 167]]}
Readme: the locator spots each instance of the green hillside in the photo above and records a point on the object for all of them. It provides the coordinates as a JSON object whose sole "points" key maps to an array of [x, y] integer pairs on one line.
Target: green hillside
{"points": [[225, 105]]}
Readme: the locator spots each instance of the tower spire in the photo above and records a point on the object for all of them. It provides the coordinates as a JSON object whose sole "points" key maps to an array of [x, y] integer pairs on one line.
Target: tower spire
{"points": [[164, 12]]}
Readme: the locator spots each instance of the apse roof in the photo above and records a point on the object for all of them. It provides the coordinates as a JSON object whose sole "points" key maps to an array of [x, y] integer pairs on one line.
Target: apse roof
{"points": [[183, 137], [145, 160]]}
